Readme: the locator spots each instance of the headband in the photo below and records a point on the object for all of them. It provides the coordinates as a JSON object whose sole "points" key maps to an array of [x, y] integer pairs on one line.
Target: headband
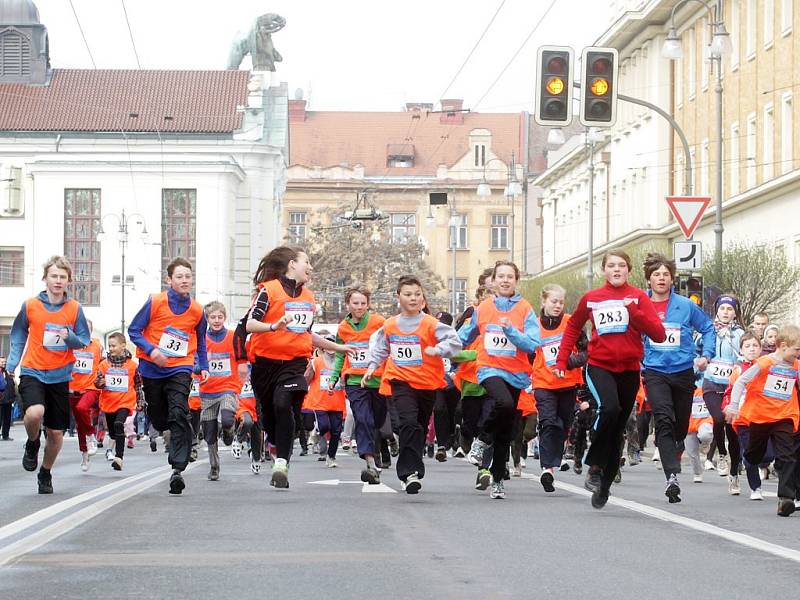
{"points": [[729, 300]]}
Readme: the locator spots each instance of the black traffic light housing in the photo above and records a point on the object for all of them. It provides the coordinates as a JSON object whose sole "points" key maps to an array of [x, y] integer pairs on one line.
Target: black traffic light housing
{"points": [[553, 102], [691, 286], [599, 70]]}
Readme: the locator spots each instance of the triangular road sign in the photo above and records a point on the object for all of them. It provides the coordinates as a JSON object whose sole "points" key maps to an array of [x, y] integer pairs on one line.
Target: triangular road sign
{"points": [[688, 210]]}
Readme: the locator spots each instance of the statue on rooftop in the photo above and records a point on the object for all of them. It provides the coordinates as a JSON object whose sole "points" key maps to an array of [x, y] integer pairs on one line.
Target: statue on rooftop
{"points": [[258, 44]]}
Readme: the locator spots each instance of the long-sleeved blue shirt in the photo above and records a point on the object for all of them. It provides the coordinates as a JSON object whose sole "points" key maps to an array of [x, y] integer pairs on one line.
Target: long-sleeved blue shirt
{"points": [[77, 338], [527, 340], [178, 304]]}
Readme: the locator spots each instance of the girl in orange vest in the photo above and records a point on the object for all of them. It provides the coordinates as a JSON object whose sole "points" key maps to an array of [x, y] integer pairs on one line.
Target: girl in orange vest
{"points": [[772, 411], [120, 384], [412, 345], [84, 396], [525, 431], [281, 341], [701, 431], [326, 399], [48, 328], [555, 396]]}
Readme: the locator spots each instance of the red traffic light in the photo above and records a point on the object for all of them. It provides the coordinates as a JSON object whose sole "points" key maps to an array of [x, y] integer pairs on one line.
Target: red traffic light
{"points": [[557, 65], [600, 66]]}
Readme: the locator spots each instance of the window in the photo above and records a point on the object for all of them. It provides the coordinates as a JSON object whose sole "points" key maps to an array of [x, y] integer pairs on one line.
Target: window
{"points": [[480, 155], [404, 227], [178, 227], [499, 232], [297, 228], [704, 158], [735, 33], [734, 160], [787, 149], [459, 231], [460, 291], [81, 224], [15, 50], [768, 140], [12, 267], [787, 16], [769, 23], [705, 55], [750, 32], [691, 74], [5, 340], [751, 150]]}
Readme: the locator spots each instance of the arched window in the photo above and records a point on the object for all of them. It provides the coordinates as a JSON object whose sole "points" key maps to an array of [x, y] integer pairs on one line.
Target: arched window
{"points": [[15, 54]]}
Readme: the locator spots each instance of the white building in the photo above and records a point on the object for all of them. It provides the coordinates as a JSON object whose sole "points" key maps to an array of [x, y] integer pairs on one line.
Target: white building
{"points": [[195, 160]]}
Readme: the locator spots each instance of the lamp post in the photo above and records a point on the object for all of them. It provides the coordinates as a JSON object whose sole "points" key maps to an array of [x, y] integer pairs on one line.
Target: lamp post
{"points": [[720, 46], [122, 221], [512, 189]]}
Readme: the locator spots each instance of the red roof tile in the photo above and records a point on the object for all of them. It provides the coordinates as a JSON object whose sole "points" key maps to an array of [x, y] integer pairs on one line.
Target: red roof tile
{"points": [[106, 100], [327, 139]]}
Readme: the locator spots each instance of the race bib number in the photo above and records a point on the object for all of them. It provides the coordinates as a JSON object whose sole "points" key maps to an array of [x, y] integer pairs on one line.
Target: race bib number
{"points": [[302, 314], [610, 316], [361, 359], [550, 348], [174, 342], [780, 383], [52, 339], [496, 343], [117, 380], [672, 343], [719, 371], [84, 363], [700, 410], [325, 379], [194, 391], [247, 391], [406, 350], [219, 364]]}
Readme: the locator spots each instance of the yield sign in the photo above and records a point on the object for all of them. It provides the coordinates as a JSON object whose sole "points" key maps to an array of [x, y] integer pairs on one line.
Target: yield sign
{"points": [[688, 211]]}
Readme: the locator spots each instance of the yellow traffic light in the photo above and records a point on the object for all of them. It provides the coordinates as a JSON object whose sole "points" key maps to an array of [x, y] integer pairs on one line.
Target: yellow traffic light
{"points": [[599, 87], [555, 86], [696, 299]]}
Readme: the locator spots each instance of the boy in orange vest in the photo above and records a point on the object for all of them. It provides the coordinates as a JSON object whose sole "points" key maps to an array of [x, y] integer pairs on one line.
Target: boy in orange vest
{"points": [[84, 396], [771, 408], [169, 330], [326, 399], [48, 327]]}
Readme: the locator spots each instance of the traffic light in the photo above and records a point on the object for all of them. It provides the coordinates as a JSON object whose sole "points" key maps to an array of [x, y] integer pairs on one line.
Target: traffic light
{"points": [[694, 289], [553, 104], [599, 67]]}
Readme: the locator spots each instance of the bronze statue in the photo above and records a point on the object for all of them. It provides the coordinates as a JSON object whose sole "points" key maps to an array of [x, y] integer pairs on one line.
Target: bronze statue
{"points": [[258, 44]]}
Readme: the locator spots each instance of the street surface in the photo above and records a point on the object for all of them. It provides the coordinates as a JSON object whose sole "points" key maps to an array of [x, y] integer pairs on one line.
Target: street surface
{"points": [[119, 534]]}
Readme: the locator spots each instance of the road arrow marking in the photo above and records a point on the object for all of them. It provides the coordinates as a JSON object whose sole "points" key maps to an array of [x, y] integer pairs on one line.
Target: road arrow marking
{"points": [[381, 488], [333, 482]]}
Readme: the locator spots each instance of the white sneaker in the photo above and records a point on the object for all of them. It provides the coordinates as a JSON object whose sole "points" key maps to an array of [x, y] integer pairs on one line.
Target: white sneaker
{"points": [[516, 471], [656, 456], [763, 473], [733, 485], [91, 443], [236, 449], [708, 465], [412, 484], [522, 464], [756, 495], [84, 461], [698, 478], [255, 467], [330, 462], [723, 466], [109, 454], [475, 455]]}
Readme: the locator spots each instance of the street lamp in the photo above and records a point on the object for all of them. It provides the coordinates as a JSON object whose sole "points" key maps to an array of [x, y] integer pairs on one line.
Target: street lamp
{"points": [[122, 222], [720, 46], [513, 188]]}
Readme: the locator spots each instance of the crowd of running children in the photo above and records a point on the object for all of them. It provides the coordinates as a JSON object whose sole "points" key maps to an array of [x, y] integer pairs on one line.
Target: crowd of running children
{"points": [[482, 389]]}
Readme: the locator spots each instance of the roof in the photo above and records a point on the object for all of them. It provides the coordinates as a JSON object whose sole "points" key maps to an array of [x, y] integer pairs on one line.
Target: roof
{"points": [[127, 100], [328, 139]]}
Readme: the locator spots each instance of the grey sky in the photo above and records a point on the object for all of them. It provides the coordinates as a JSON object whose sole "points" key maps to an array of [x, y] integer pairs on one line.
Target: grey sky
{"points": [[354, 54]]}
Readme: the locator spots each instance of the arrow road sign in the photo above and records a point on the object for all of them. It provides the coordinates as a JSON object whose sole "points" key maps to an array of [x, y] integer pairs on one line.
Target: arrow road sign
{"points": [[688, 255], [365, 487], [688, 210]]}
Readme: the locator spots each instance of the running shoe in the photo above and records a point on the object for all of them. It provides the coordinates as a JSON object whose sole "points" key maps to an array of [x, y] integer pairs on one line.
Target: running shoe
{"points": [[593, 479], [45, 481], [516, 471], [656, 456], [756, 494], [498, 492], [569, 452], [698, 478], [280, 474], [673, 490], [785, 506], [475, 455], [634, 458], [506, 474], [153, 446], [322, 457], [345, 444], [441, 454], [109, 454], [522, 463], [193, 454], [130, 441], [414, 485], [213, 473], [116, 463], [236, 449], [577, 467], [733, 485], [564, 467], [547, 480], [386, 456], [429, 450], [459, 452], [303, 451], [599, 498], [370, 476], [708, 465], [763, 473], [330, 462], [723, 466], [176, 483], [84, 461], [227, 436], [618, 476], [30, 459], [91, 445], [255, 467], [483, 480], [394, 449]]}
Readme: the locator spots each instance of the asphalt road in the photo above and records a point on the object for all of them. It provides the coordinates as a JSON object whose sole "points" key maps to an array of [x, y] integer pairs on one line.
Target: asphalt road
{"points": [[119, 534]]}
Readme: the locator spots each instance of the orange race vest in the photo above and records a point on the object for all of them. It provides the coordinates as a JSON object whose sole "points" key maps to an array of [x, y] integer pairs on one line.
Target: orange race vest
{"points": [[735, 374], [772, 395], [318, 396], [359, 339], [247, 402], [120, 390], [700, 412], [84, 369], [545, 361], [496, 350], [174, 335], [527, 403], [407, 360], [467, 371], [46, 350], [222, 373], [194, 393], [294, 341]]}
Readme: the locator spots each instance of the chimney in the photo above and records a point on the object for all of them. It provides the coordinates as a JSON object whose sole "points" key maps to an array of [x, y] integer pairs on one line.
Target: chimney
{"points": [[451, 111], [297, 111]]}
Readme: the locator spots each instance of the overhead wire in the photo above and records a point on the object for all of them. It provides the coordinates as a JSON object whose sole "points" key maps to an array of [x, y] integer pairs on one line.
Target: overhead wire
{"points": [[80, 28], [130, 32]]}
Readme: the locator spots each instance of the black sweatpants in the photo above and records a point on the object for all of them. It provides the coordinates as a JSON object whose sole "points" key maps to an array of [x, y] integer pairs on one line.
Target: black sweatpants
{"points": [[670, 397], [501, 423], [556, 411], [615, 394], [712, 396], [116, 427], [472, 417], [414, 409], [248, 426], [168, 408], [782, 435], [444, 415], [525, 431]]}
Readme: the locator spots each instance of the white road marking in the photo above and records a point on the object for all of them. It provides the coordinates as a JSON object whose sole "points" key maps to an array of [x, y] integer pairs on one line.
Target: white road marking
{"points": [[332, 482], [381, 488]]}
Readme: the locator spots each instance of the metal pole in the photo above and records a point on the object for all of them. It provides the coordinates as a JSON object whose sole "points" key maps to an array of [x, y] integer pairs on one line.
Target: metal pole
{"points": [[590, 251], [511, 202], [124, 240], [453, 246], [718, 229]]}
